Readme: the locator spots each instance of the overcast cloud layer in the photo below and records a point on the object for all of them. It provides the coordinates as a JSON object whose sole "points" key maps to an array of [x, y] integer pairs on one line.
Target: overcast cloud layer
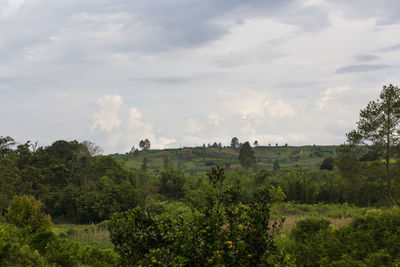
{"points": [[188, 72]]}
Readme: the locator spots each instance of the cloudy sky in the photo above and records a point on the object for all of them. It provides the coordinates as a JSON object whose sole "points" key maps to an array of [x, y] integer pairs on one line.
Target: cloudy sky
{"points": [[188, 72]]}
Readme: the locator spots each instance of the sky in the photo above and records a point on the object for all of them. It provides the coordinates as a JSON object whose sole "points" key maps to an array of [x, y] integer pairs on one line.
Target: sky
{"points": [[188, 72]]}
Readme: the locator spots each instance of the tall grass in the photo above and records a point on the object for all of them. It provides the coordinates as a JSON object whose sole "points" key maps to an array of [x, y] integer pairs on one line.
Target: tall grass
{"points": [[325, 210], [88, 234]]}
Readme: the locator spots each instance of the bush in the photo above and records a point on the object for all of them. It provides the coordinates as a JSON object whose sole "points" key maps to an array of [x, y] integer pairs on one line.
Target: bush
{"points": [[25, 212], [375, 232], [370, 240], [222, 231], [314, 240], [13, 249]]}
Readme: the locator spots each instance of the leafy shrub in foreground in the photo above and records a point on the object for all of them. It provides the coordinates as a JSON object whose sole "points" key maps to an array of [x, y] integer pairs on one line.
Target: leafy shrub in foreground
{"points": [[25, 212], [222, 231]]}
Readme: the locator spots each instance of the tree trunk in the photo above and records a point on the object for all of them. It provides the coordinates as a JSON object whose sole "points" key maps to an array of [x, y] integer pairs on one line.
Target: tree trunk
{"points": [[389, 187]]}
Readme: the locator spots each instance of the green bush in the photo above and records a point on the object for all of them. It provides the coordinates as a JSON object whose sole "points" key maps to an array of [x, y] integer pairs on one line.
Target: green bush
{"points": [[222, 231], [378, 231], [25, 212], [314, 240], [13, 249], [371, 239]]}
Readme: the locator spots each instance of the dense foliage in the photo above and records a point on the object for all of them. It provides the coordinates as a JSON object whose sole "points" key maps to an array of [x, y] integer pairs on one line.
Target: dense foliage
{"points": [[369, 240], [221, 231], [26, 239], [70, 182]]}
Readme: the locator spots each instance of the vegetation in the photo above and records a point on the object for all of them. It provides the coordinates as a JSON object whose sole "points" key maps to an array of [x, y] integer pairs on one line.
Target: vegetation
{"points": [[26, 239], [378, 129], [221, 231], [369, 240], [198, 160], [246, 156], [232, 206]]}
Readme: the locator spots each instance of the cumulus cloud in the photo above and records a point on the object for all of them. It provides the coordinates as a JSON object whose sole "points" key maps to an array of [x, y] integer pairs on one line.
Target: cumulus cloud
{"points": [[193, 126], [136, 122], [106, 118], [258, 104], [280, 109], [124, 126], [330, 94]]}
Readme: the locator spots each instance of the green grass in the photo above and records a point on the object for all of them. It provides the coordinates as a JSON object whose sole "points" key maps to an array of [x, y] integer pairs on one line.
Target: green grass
{"points": [[196, 160], [320, 209], [93, 235]]}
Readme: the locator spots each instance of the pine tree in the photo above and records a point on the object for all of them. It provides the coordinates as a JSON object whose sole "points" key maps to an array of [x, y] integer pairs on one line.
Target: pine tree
{"points": [[378, 128]]}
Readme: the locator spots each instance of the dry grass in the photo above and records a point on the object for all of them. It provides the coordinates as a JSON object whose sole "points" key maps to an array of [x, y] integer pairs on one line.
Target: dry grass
{"points": [[290, 221]]}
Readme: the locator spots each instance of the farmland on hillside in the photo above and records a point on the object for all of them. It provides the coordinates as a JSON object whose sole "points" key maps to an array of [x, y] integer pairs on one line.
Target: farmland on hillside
{"points": [[200, 159]]}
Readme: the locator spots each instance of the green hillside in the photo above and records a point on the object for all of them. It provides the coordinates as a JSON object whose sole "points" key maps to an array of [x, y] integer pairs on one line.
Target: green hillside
{"points": [[200, 159]]}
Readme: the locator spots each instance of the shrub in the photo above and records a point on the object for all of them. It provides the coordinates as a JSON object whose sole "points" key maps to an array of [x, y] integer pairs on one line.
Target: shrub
{"points": [[314, 240], [25, 212], [13, 250], [222, 231], [369, 240]]}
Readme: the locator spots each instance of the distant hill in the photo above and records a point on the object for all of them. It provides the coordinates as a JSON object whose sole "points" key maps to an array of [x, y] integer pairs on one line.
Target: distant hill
{"points": [[200, 159]]}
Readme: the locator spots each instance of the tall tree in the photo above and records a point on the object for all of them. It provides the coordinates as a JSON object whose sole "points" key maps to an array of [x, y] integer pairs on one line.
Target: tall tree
{"points": [[141, 144], [147, 144], [144, 144], [246, 156], [6, 142], [93, 149], [234, 143], [378, 128]]}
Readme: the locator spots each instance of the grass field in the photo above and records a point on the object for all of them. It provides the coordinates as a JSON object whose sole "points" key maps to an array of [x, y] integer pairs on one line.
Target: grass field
{"points": [[200, 159]]}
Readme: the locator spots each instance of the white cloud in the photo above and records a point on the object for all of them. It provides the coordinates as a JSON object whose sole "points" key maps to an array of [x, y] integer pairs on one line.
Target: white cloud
{"points": [[258, 104], [330, 94], [11, 7], [164, 142], [107, 117], [279, 110], [214, 118], [193, 126], [136, 122], [124, 126]]}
